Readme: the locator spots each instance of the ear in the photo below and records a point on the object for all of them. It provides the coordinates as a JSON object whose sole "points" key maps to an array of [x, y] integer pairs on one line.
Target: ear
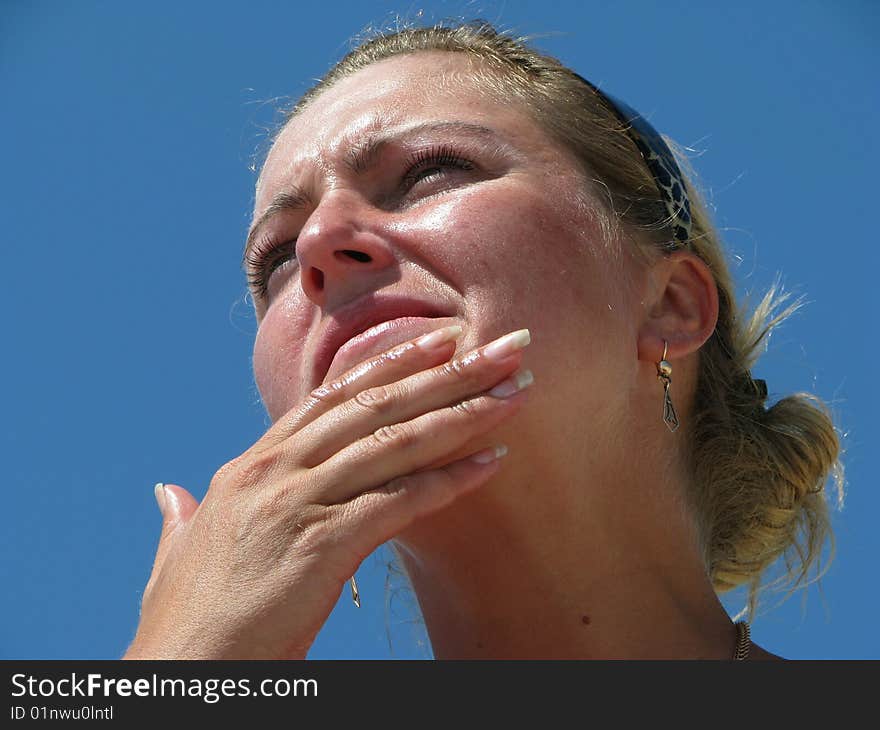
{"points": [[682, 307]]}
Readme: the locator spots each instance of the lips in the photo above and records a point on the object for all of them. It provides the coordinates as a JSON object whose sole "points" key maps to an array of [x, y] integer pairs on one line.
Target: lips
{"points": [[362, 315]]}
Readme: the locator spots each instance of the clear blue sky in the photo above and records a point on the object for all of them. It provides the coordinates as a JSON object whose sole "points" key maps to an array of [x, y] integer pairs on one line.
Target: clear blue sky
{"points": [[127, 135]]}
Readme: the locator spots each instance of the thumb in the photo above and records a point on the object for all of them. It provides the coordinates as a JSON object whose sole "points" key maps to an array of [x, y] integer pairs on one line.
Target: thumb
{"points": [[177, 507]]}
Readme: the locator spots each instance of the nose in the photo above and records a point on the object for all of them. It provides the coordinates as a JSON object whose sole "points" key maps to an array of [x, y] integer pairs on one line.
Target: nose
{"points": [[342, 250]]}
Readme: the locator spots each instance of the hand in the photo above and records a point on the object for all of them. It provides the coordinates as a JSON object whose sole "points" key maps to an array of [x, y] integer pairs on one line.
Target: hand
{"points": [[254, 571]]}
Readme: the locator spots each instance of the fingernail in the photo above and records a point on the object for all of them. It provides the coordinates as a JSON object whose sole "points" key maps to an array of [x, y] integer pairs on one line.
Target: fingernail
{"points": [[440, 337], [507, 345], [513, 384], [159, 491], [489, 455]]}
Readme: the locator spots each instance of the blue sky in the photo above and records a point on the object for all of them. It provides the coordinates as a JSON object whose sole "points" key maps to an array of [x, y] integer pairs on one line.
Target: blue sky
{"points": [[128, 135]]}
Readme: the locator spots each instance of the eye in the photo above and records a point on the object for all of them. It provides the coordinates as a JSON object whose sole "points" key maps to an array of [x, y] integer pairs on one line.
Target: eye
{"points": [[264, 259], [433, 164]]}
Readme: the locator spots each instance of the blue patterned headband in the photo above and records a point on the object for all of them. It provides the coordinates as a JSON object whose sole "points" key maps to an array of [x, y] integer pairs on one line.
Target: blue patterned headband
{"points": [[660, 162], [670, 182]]}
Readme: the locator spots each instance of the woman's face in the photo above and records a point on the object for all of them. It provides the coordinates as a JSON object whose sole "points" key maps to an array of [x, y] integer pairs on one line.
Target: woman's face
{"points": [[465, 204]]}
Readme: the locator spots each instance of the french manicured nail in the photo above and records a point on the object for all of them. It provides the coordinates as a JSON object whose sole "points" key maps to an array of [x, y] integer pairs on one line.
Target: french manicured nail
{"points": [[159, 491], [513, 384], [440, 337], [507, 345], [489, 455]]}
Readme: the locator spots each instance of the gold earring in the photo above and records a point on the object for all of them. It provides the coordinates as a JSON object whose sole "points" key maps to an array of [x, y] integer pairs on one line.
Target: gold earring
{"points": [[355, 595], [664, 372]]}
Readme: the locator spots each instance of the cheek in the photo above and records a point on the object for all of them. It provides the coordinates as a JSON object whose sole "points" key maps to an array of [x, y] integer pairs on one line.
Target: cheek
{"points": [[279, 357], [543, 260], [536, 264]]}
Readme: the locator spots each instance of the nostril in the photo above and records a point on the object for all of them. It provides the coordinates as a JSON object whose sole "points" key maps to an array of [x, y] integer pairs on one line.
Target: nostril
{"points": [[356, 255], [317, 278]]}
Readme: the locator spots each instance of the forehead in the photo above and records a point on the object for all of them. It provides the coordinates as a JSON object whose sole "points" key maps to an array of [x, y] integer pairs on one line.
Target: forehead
{"points": [[395, 93]]}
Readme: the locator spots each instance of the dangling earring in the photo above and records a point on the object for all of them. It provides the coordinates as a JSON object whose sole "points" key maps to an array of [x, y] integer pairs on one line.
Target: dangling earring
{"points": [[664, 372], [355, 595]]}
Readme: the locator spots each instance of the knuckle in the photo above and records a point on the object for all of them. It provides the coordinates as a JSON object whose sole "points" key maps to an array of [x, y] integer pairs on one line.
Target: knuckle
{"points": [[379, 399], [325, 393], [320, 399], [396, 435], [221, 474], [245, 473], [311, 525], [467, 408], [455, 369], [399, 485]]}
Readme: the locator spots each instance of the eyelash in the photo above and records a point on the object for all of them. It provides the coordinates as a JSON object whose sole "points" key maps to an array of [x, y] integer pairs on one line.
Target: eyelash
{"points": [[265, 253], [260, 258], [439, 156]]}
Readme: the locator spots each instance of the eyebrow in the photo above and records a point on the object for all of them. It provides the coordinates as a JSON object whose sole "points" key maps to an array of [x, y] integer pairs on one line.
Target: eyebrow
{"points": [[359, 160]]}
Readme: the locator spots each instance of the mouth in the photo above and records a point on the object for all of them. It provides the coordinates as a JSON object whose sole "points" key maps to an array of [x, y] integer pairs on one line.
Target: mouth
{"points": [[370, 328], [379, 338]]}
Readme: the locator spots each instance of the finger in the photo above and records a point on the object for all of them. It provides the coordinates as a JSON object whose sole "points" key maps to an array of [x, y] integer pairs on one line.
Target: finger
{"points": [[381, 514], [389, 366], [450, 382], [397, 450], [177, 506]]}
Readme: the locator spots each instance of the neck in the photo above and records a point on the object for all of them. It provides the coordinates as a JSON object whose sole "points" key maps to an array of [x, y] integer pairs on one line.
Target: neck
{"points": [[604, 583]]}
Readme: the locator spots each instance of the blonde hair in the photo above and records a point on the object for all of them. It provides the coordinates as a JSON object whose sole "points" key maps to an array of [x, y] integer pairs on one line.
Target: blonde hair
{"points": [[758, 474]]}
